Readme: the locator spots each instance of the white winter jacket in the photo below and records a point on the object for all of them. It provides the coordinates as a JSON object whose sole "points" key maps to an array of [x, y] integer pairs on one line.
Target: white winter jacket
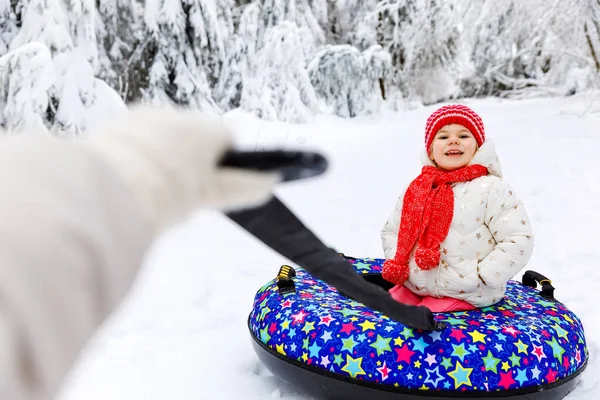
{"points": [[77, 217], [490, 239]]}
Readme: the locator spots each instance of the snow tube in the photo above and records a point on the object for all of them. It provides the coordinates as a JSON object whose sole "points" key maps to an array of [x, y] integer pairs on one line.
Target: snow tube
{"points": [[527, 346]]}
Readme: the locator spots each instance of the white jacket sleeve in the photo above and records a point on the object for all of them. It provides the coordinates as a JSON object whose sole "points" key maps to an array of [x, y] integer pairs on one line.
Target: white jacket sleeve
{"points": [[509, 224], [389, 232], [77, 218]]}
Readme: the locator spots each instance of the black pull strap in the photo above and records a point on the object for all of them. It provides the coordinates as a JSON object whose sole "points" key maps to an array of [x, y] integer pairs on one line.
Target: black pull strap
{"points": [[532, 278], [276, 226]]}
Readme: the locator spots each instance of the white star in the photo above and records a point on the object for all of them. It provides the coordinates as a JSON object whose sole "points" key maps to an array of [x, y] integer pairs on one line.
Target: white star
{"points": [[325, 361], [326, 336], [535, 372], [430, 359]]}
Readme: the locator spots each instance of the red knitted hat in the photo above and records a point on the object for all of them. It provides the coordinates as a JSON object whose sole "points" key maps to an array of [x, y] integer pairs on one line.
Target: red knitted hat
{"points": [[454, 114]]}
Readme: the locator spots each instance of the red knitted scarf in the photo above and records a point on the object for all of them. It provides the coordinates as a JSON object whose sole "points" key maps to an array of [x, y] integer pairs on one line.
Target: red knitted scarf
{"points": [[427, 212]]}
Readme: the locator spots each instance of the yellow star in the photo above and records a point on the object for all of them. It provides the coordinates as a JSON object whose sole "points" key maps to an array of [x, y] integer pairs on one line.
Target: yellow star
{"points": [[367, 325], [461, 376], [522, 347], [505, 366], [398, 341], [567, 318], [477, 336], [418, 364], [423, 387], [280, 349], [304, 357], [353, 319], [285, 325]]}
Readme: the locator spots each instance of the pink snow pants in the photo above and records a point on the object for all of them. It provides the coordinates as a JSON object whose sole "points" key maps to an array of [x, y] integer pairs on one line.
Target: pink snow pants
{"points": [[402, 294]]}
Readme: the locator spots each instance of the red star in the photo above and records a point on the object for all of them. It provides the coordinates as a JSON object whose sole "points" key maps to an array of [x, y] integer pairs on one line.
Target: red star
{"points": [[458, 334], [578, 357], [551, 375], [371, 334], [313, 335], [508, 314], [306, 295], [545, 333], [474, 323], [287, 304], [490, 316], [566, 362], [325, 320], [538, 351], [525, 361], [552, 312], [404, 354], [348, 328], [506, 380], [272, 327]]}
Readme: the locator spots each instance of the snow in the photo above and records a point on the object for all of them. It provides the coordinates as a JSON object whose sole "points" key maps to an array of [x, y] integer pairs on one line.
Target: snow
{"points": [[182, 332]]}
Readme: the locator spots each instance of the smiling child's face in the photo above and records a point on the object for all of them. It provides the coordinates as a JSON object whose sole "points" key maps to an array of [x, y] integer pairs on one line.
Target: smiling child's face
{"points": [[453, 147]]}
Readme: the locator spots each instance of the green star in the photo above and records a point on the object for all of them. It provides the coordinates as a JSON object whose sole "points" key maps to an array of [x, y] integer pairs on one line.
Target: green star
{"points": [[491, 362], [264, 312], [560, 331], [361, 265], [382, 345], [349, 344], [460, 351], [455, 321], [264, 335], [557, 350], [337, 359], [309, 326], [446, 362], [407, 333], [515, 360]]}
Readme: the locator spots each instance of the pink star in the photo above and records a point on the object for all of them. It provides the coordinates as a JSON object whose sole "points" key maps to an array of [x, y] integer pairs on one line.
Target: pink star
{"points": [[506, 380], [326, 320], [457, 334], [404, 354], [298, 318], [348, 328], [511, 331], [287, 303], [272, 327], [551, 375]]}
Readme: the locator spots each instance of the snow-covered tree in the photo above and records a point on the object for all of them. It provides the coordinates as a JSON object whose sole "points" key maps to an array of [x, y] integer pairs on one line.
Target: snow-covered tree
{"points": [[422, 38], [190, 42], [349, 82], [26, 74], [277, 85]]}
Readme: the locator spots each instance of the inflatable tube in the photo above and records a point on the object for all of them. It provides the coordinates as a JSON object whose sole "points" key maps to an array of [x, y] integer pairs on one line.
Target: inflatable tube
{"points": [[527, 346]]}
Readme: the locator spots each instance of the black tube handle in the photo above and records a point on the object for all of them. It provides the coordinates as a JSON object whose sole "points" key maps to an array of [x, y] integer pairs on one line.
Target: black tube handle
{"points": [[291, 165], [285, 283], [532, 278], [277, 227]]}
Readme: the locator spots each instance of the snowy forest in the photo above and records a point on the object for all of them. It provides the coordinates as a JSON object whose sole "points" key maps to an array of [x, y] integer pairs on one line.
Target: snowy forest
{"points": [[67, 63]]}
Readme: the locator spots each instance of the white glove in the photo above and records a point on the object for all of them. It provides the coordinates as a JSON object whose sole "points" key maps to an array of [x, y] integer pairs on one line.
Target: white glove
{"points": [[169, 158]]}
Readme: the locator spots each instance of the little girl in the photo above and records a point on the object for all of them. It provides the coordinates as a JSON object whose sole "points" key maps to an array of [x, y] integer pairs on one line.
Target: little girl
{"points": [[459, 232]]}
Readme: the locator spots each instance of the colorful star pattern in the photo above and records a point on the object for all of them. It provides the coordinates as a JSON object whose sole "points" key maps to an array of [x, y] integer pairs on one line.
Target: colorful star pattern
{"points": [[523, 341]]}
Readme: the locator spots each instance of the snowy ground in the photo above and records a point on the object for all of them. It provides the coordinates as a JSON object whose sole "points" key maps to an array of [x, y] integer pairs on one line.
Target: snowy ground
{"points": [[182, 332]]}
